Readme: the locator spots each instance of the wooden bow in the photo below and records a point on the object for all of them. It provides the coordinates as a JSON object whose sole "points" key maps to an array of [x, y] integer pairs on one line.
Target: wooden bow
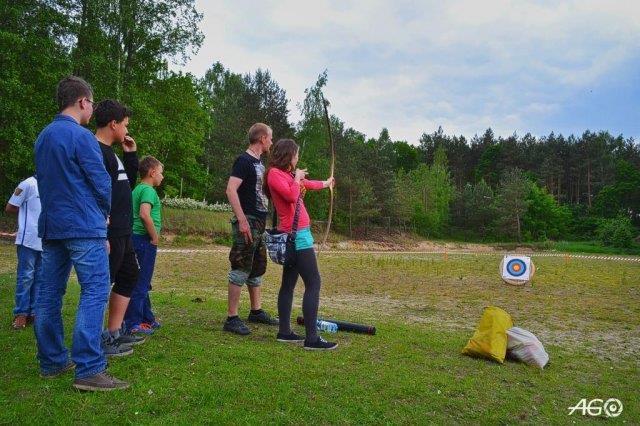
{"points": [[333, 164]]}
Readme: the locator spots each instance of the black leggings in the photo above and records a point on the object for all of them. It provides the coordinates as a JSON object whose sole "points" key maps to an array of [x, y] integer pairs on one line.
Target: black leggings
{"points": [[307, 268]]}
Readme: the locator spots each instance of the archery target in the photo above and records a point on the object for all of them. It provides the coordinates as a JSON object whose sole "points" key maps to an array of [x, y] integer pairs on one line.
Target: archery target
{"points": [[518, 268]]}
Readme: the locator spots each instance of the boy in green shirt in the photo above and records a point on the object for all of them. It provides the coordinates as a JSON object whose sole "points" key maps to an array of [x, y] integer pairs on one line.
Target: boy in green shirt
{"points": [[147, 222]]}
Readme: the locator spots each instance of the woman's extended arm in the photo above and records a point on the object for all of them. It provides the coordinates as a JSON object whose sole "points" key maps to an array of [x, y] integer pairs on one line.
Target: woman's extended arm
{"points": [[315, 185]]}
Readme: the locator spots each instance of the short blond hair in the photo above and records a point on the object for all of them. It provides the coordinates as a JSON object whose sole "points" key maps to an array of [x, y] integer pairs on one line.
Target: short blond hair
{"points": [[257, 131]]}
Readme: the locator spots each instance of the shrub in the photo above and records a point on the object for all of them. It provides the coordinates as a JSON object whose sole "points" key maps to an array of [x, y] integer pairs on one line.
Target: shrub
{"points": [[191, 204], [617, 232]]}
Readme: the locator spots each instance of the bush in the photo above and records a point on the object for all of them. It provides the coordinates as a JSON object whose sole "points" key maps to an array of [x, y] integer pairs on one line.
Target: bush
{"points": [[545, 218], [190, 204], [617, 232]]}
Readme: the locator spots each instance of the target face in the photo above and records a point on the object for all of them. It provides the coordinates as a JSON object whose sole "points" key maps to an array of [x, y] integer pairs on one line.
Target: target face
{"points": [[516, 268]]}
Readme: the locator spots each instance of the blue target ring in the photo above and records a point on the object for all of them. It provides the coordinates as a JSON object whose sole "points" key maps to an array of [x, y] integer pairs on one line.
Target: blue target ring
{"points": [[516, 267]]}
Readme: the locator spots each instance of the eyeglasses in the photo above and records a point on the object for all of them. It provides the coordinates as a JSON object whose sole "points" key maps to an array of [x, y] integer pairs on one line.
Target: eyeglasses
{"points": [[93, 104]]}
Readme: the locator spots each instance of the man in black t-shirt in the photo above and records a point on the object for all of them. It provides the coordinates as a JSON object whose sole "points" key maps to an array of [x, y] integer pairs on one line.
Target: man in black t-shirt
{"points": [[112, 119], [248, 254]]}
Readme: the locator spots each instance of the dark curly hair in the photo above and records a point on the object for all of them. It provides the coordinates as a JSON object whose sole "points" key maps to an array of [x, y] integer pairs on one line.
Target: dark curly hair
{"points": [[108, 110]]}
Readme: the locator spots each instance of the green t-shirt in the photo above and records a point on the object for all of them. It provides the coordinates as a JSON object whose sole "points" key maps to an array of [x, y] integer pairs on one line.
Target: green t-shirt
{"points": [[144, 193]]}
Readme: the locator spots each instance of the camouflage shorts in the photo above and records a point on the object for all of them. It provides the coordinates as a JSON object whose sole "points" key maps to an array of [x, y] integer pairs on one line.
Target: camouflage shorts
{"points": [[248, 261]]}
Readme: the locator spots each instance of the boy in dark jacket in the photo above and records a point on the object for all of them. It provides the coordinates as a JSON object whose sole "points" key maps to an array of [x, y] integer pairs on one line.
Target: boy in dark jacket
{"points": [[112, 119]]}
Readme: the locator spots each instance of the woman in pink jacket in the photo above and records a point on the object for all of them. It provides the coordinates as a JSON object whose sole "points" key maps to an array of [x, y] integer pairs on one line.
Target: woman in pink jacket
{"points": [[284, 184]]}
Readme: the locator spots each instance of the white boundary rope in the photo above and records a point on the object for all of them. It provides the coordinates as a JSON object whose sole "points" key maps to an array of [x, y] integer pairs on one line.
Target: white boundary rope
{"points": [[439, 252]]}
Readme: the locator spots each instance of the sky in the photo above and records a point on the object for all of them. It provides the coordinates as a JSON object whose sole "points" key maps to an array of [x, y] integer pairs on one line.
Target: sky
{"points": [[411, 66]]}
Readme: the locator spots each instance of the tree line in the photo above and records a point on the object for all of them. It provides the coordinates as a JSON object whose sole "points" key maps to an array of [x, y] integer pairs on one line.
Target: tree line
{"points": [[486, 187]]}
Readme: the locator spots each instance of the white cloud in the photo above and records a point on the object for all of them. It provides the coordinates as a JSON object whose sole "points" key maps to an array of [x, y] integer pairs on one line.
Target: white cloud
{"points": [[411, 66]]}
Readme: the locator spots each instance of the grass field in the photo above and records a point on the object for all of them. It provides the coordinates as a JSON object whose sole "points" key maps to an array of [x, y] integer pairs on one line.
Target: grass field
{"points": [[586, 312], [196, 222]]}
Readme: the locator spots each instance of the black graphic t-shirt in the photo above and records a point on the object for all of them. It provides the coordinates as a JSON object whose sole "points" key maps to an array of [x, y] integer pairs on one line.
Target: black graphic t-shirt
{"points": [[123, 179], [252, 198]]}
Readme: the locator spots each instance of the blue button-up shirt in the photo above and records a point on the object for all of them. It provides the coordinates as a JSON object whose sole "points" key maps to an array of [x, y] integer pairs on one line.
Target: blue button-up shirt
{"points": [[75, 188]]}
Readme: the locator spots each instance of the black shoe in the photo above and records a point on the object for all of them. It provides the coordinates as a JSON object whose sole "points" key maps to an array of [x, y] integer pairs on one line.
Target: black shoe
{"points": [[112, 347], [320, 345], [289, 338], [130, 339], [236, 326], [262, 317]]}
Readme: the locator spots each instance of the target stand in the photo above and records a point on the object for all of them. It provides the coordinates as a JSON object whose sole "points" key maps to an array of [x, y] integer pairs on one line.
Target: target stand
{"points": [[517, 270]]}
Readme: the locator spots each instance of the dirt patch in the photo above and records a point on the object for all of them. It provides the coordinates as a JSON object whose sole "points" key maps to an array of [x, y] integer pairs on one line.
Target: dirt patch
{"points": [[454, 246], [408, 245]]}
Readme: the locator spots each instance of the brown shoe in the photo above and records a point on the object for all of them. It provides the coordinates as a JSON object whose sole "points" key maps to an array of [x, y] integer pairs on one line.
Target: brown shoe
{"points": [[19, 322], [70, 366], [31, 319], [100, 382]]}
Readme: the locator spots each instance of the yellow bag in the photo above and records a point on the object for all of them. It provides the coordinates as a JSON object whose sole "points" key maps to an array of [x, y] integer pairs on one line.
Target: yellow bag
{"points": [[490, 338]]}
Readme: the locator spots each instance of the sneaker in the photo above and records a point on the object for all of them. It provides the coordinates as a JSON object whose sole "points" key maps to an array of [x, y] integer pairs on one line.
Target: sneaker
{"points": [[320, 345], [112, 347], [100, 382], [19, 322], [70, 366], [131, 339], [262, 317], [142, 328], [31, 319], [289, 338], [236, 326], [153, 324]]}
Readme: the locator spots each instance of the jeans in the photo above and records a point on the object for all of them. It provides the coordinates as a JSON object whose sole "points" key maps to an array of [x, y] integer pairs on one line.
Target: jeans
{"points": [[89, 258], [139, 309], [29, 276]]}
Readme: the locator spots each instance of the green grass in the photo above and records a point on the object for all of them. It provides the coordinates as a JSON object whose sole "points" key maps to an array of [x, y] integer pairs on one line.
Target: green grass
{"points": [[594, 247], [196, 222], [425, 308]]}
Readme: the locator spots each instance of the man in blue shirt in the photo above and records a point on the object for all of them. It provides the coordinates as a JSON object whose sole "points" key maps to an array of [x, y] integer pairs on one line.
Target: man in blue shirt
{"points": [[75, 194]]}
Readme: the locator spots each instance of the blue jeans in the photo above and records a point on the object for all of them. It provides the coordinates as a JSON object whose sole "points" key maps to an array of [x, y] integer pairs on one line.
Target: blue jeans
{"points": [[139, 309], [89, 258], [29, 276]]}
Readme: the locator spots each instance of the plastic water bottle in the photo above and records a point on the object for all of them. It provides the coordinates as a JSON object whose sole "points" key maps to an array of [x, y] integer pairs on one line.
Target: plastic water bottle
{"points": [[329, 327]]}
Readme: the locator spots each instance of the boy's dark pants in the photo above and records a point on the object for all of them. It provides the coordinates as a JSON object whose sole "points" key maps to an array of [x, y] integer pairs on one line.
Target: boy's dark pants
{"points": [[139, 309]]}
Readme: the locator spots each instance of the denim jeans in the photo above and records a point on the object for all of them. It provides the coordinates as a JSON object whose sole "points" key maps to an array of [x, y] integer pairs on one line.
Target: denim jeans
{"points": [[29, 276], [139, 309], [89, 258]]}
